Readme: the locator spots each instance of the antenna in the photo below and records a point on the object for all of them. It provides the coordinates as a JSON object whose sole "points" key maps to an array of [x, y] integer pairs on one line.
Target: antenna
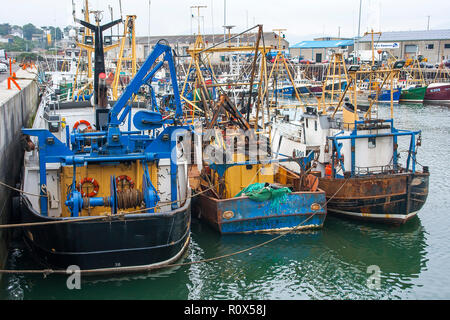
{"points": [[198, 14], [73, 10], [112, 19], [148, 37], [120, 7], [229, 32], [224, 19], [212, 21]]}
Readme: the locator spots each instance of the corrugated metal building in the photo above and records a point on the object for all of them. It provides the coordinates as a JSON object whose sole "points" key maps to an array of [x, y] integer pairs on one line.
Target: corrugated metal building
{"points": [[320, 50], [432, 44], [181, 43]]}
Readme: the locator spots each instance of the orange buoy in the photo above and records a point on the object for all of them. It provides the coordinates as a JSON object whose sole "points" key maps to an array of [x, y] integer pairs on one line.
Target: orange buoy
{"points": [[91, 181], [86, 123], [328, 171], [127, 178]]}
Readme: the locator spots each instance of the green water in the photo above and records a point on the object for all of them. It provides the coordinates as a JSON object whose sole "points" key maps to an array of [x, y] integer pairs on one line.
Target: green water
{"points": [[330, 263]]}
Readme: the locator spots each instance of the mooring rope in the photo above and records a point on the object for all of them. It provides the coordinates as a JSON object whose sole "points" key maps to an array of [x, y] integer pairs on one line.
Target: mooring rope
{"points": [[21, 191], [101, 217], [46, 272]]}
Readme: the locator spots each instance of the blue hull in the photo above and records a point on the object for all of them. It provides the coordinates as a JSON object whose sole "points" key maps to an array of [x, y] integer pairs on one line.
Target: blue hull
{"points": [[243, 215], [385, 95], [286, 91]]}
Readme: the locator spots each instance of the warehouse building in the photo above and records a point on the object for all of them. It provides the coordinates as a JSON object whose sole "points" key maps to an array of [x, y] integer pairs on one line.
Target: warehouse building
{"points": [[181, 43], [432, 44], [321, 49]]}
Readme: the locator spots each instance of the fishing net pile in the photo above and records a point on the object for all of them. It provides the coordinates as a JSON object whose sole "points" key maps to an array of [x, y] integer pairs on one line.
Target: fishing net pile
{"points": [[265, 192]]}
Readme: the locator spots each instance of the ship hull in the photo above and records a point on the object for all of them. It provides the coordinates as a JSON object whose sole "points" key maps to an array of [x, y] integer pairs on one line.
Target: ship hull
{"points": [[115, 245], [385, 95], [388, 199], [413, 94], [288, 91], [243, 215], [438, 93]]}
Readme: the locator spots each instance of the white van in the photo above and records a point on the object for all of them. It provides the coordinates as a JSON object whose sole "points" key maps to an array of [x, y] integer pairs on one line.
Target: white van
{"points": [[3, 57], [3, 67]]}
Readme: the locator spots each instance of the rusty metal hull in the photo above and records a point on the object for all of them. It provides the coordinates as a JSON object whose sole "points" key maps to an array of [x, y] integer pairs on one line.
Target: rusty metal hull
{"points": [[243, 215], [394, 198]]}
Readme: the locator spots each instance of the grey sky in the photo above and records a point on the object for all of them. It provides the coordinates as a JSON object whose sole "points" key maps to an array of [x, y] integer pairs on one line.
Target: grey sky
{"points": [[303, 19]]}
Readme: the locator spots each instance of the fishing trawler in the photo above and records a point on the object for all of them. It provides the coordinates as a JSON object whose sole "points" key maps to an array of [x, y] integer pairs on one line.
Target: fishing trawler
{"points": [[106, 196], [358, 164], [437, 93], [239, 189], [252, 192], [414, 86]]}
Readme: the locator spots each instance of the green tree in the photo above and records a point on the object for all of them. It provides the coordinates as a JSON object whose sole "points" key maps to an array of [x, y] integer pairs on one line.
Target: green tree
{"points": [[56, 33], [18, 44], [5, 29], [29, 29]]}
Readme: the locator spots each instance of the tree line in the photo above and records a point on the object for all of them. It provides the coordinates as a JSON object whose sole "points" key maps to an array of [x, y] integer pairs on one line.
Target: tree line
{"points": [[29, 30]]}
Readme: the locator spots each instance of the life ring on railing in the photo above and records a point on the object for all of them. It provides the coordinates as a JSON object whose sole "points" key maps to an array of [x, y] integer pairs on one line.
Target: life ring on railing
{"points": [[127, 178], [93, 182], [86, 123]]}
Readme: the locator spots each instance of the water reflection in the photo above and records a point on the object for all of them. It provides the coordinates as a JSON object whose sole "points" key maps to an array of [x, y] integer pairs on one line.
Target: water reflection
{"points": [[330, 263]]}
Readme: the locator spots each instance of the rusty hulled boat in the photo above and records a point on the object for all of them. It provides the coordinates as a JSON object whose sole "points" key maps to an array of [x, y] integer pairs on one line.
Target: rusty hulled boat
{"points": [[255, 194], [358, 164]]}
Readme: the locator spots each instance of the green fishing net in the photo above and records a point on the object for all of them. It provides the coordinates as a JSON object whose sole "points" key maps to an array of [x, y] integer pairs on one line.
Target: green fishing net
{"points": [[265, 192]]}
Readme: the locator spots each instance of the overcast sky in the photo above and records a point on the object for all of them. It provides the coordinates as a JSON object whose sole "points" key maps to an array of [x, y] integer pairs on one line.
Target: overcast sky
{"points": [[303, 19]]}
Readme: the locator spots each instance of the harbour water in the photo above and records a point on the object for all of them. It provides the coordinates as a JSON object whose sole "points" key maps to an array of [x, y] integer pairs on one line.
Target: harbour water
{"points": [[336, 262]]}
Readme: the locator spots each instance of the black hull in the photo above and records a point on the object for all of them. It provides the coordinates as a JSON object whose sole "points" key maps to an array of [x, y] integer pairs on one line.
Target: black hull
{"points": [[385, 205], [138, 240]]}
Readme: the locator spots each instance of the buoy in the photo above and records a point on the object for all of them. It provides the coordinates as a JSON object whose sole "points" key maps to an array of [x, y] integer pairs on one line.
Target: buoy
{"points": [[93, 182], [125, 177], [328, 171], [86, 123]]}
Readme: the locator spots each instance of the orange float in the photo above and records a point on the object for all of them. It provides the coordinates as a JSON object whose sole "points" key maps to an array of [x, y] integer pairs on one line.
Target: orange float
{"points": [[127, 178], [93, 182], [86, 123]]}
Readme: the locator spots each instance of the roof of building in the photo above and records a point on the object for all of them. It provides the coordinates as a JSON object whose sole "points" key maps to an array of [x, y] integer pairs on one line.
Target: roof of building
{"points": [[208, 38], [323, 44], [409, 35]]}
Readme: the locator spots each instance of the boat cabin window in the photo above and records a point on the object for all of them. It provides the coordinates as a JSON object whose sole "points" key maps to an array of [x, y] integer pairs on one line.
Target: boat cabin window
{"points": [[315, 125], [307, 123], [372, 142]]}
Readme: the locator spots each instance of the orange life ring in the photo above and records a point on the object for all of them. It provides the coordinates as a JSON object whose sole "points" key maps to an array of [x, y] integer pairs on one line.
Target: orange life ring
{"points": [[93, 182], [86, 123], [125, 177]]}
